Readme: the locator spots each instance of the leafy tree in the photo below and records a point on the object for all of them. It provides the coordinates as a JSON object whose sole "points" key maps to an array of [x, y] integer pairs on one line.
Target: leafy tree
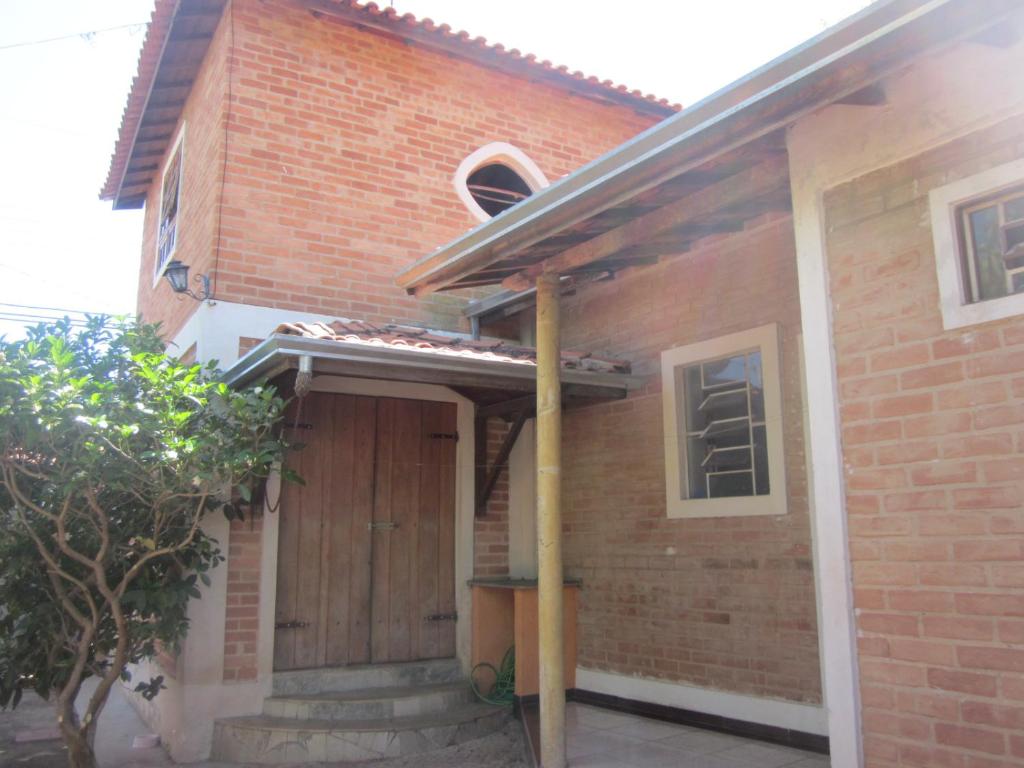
{"points": [[111, 455]]}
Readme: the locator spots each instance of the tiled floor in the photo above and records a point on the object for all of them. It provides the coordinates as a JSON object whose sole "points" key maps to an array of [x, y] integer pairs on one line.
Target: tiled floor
{"points": [[599, 738]]}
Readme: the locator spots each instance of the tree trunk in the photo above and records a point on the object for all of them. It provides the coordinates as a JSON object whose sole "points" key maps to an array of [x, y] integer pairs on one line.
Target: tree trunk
{"points": [[78, 741]]}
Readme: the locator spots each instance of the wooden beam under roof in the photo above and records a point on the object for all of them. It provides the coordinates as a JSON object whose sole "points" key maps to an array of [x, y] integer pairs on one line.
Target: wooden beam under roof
{"points": [[763, 180], [181, 54]]}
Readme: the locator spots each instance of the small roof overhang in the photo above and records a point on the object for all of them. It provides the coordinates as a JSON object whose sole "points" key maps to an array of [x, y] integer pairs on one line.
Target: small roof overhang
{"points": [[707, 170], [485, 381]]}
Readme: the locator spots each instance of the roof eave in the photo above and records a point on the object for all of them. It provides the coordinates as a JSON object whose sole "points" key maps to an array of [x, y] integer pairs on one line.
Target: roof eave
{"points": [[280, 352], [842, 60]]}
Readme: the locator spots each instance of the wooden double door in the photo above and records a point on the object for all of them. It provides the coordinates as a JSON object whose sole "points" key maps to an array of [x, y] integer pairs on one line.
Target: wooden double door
{"points": [[366, 553]]}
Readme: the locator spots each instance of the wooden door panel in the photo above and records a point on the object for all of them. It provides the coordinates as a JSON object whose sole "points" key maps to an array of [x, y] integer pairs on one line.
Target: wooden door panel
{"points": [[403, 566], [380, 541], [413, 572], [365, 595], [447, 414], [364, 447], [298, 574], [424, 633], [287, 559]]}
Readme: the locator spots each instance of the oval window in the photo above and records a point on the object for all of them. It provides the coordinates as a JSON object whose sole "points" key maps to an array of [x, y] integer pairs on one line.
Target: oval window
{"points": [[496, 187], [496, 177]]}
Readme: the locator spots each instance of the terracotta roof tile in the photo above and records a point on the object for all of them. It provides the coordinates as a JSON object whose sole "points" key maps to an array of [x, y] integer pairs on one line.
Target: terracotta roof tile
{"points": [[497, 50], [411, 338], [149, 60], [408, 25]]}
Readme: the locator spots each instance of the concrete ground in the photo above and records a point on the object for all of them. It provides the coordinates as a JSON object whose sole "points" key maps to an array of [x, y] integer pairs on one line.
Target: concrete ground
{"points": [[119, 725]]}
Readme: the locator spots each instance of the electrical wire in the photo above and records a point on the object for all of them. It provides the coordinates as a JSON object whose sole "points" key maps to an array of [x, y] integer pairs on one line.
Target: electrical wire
{"points": [[227, 140], [51, 309], [84, 35]]}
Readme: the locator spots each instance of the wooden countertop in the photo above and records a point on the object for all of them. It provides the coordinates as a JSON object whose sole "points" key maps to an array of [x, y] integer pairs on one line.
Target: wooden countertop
{"points": [[504, 582]]}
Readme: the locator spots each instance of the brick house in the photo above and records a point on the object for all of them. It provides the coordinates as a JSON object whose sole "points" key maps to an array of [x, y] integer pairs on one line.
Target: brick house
{"points": [[791, 449], [299, 154]]}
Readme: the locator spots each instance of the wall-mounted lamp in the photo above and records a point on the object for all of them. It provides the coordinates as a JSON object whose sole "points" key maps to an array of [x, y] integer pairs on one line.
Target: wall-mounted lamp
{"points": [[177, 275]]}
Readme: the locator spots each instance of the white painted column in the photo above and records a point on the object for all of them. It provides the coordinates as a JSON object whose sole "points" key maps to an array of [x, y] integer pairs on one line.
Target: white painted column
{"points": [[832, 571]]}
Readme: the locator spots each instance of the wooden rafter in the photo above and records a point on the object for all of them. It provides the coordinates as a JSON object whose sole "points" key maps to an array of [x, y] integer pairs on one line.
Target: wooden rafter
{"points": [[490, 475], [763, 181]]}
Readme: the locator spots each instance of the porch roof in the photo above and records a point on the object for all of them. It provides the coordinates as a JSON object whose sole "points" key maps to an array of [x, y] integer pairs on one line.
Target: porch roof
{"points": [[707, 170], [486, 371]]}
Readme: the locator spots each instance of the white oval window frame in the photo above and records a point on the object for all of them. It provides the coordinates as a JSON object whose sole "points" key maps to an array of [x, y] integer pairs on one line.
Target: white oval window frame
{"points": [[496, 152]]}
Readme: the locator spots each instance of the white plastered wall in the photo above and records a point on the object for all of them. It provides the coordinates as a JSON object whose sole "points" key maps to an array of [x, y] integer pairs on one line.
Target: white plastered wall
{"points": [[937, 100], [522, 504]]}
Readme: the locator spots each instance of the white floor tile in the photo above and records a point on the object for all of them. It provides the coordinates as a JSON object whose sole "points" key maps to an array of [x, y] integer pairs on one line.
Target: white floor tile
{"points": [[598, 741], [593, 717], [651, 730], [702, 742], [762, 755], [601, 738]]}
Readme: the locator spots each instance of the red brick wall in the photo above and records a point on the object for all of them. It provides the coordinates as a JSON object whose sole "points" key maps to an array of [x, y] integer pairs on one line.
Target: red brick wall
{"points": [[203, 156], [490, 532], [932, 439], [724, 603], [241, 630], [342, 148]]}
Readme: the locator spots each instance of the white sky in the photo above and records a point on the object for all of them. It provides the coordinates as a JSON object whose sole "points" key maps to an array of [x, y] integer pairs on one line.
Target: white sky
{"points": [[61, 104]]}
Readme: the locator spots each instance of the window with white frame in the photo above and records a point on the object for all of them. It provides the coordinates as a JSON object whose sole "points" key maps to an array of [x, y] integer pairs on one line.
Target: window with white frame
{"points": [[170, 202], [992, 238], [723, 426], [978, 234], [495, 177]]}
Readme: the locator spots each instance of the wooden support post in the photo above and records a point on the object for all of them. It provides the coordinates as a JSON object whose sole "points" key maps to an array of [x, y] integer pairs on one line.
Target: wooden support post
{"points": [[549, 525]]}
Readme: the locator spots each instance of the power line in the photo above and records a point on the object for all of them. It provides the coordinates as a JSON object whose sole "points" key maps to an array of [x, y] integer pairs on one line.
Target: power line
{"points": [[51, 309], [31, 320], [84, 35]]}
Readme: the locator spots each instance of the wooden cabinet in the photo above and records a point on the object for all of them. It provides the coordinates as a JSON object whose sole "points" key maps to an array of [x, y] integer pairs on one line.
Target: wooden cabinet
{"points": [[505, 614]]}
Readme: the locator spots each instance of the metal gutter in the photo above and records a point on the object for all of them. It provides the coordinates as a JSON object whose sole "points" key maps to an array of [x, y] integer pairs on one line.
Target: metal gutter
{"points": [[281, 352], [855, 53]]}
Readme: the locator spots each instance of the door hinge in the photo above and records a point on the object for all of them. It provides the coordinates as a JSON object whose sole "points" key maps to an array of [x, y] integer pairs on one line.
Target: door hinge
{"points": [[445, 436], [298, 425], [389, 525], [291, 625], [453, 616]]}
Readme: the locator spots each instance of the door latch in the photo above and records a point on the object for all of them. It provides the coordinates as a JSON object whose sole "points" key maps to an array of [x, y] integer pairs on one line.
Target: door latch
{"points": [[453, 616], [388, 525], [291, 625]]}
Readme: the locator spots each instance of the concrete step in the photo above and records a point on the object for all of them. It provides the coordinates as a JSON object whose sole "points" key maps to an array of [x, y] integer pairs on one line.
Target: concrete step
{"points": [[340, 679], [367, 703], [263, 740]]}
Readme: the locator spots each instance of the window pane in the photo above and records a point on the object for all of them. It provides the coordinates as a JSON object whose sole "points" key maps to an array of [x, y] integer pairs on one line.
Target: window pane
{"points": [[718, 400], [761, 461], [1014, 238], [725, 372], [756, 386], [733, 484], [1015, 208], [986, 243]]}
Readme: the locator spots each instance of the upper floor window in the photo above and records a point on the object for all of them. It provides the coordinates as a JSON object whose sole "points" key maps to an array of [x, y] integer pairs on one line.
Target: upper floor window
{"points": [[170, 203], [978, 235], [496, 177], [723, 426], [992, 233]]}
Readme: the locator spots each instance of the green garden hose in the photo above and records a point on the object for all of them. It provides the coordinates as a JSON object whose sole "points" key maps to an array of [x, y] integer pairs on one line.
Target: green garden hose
{"points": [[503, 691]]}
